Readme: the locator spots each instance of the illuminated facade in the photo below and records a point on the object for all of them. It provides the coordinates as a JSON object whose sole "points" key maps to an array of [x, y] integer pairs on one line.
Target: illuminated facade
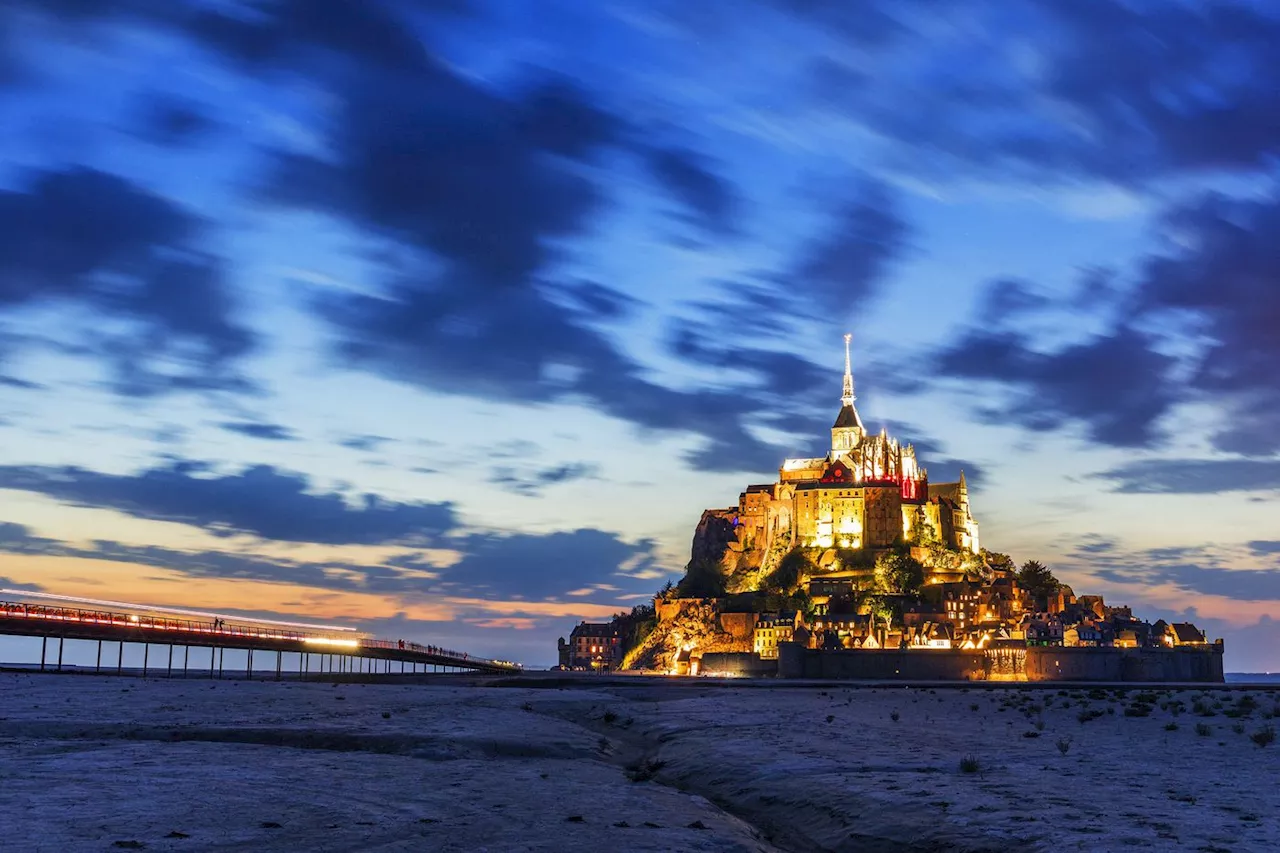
{"points": [[866, 492]]}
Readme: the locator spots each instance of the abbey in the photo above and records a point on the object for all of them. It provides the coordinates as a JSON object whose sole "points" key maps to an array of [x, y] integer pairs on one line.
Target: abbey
{"points": [[868, 491]]}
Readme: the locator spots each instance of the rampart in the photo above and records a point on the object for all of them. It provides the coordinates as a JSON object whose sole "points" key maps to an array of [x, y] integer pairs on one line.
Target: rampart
{"points": [[1184, 664], [737, 663]]}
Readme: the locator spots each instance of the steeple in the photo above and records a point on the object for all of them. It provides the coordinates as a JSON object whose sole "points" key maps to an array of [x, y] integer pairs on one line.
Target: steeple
{"points": [[848, 396], [847, 431]]}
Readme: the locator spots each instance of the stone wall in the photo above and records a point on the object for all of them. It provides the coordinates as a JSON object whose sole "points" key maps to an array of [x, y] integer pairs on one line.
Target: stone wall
{"points": [[1185, 663], [882, 521], [740, 626], [1202, 664], [737, 663], [881, 664]]}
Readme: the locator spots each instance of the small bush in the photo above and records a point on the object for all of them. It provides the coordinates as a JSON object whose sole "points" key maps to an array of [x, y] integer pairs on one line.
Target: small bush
{"points": [[1138, 710], [970, 764], [893, 715], [1039, 724], [1238, 728], [1031, 734], [1204, 729], [1063, 744], [1263, 736], [610, 717], [831, 718], [1088, 714], [973, 707], [1170, 727]]}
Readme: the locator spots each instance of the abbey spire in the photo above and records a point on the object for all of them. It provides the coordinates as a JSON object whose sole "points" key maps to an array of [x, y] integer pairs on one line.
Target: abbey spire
{"points": [[847, 431], [848, 396]]}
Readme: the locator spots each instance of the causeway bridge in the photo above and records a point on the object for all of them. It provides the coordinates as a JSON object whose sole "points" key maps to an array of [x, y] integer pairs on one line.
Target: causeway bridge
{"points": [[310, 650]]}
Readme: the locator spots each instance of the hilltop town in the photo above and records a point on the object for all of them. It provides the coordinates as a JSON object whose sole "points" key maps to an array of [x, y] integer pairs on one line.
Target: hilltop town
{"points": [[854, 550]]}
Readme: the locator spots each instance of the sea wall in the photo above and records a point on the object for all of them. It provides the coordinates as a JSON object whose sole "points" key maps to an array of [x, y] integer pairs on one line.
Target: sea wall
{"points": [[881, 664], [1183, 664], [737, 663]]}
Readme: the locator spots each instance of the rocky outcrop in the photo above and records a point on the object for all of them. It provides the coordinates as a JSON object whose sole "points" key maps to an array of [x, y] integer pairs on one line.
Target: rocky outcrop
{"points": [[715, 537]]}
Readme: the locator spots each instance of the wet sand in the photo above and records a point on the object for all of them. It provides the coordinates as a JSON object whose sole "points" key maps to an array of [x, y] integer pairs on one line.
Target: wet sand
{"points": [[100, 763]]}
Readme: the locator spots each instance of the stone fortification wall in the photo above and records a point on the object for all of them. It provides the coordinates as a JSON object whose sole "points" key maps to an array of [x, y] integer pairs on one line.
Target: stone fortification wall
{"points": [[881, 664], [1190, 664], [737, 663]]}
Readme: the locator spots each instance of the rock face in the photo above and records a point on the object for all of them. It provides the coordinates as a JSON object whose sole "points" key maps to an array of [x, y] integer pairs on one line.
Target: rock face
{"points": [[715, 538]]}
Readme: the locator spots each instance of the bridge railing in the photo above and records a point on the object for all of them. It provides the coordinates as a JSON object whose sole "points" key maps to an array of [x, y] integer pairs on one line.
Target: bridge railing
{"points": [[20, 610], [217, 628]]}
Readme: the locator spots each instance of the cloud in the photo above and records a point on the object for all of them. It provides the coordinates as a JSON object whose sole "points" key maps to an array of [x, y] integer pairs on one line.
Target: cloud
{"points": [[268, 432], [533, 483], [1224, 275], [1262, 547], [259, 500], [539, 566], [102, 243], [1123, 92], [844, 268], [368, 443], [523, 571], [1115, 384], [1240, 584], [171, 121], [690, 179], [1195, 476]]}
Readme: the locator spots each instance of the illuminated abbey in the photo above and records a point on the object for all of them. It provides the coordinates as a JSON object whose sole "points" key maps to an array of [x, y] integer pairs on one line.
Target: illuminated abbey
{"points": [[868, 491]]}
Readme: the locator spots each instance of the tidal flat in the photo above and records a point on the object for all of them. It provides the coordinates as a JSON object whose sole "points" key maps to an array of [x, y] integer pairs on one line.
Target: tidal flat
{"points": [[100, 763]]}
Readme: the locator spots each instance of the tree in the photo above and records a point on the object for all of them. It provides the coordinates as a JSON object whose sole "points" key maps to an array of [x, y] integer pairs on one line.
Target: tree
{"points": [[899, 573], [999, 562], [1037, 580], [922, 529]]}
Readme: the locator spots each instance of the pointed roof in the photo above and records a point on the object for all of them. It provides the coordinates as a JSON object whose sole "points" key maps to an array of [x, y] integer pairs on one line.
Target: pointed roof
{"points": [[848, 417]]}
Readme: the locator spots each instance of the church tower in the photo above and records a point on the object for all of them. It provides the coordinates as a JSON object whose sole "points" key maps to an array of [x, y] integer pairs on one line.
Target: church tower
{"points": [[847, 432]]}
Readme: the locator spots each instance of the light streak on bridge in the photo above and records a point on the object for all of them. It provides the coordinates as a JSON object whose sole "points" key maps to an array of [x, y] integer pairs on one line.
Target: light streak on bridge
{"points": [[350, 652], [102, 602]]}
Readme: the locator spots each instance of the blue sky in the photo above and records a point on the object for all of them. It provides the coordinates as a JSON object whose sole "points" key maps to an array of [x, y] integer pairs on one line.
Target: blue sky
{"points": [[449, 318]]}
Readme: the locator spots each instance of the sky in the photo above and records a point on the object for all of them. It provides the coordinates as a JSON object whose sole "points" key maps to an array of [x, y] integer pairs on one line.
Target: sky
{"points": [[447, 318]]}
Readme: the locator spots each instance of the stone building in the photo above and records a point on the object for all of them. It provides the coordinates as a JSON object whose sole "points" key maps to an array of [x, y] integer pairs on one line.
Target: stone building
{"points": [[592, 645], [867, 491]]}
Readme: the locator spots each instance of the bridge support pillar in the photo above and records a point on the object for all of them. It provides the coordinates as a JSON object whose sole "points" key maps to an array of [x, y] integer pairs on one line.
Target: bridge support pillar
{"points": [[120, 659], [169, 670], [249, 665], [279, 662], [222, 654], [213, 656], [62, 641], [186, 659], [97, 665], [44, 646], [306, 664], [146, 651]]}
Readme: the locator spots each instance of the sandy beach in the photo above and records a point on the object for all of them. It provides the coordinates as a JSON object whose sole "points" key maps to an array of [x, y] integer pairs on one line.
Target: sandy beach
{"points": [[98, 764]]}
